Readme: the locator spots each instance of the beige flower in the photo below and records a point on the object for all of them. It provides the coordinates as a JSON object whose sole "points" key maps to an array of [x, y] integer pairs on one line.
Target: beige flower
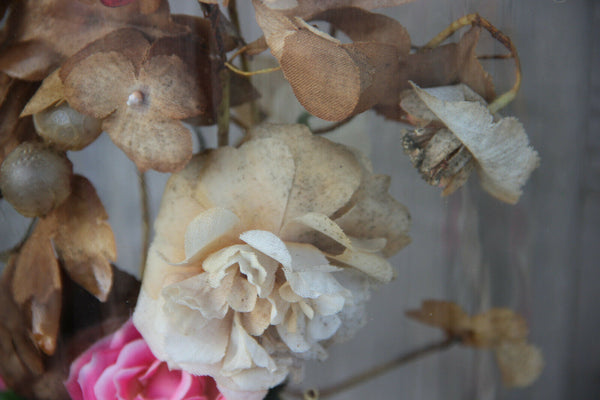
{"points": [[263, 255]]}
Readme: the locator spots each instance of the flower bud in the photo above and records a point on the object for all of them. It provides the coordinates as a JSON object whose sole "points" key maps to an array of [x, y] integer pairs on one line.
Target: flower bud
{"points": [[35, 179]]}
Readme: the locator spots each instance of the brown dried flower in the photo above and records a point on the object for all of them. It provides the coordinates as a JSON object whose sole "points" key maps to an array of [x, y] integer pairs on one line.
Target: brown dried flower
{"points": [[458, 134], [140, 93], [500, 329]]}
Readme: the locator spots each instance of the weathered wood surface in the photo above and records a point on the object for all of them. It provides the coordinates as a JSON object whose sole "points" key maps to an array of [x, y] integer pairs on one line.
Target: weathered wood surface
{"points": [[539, 257]]}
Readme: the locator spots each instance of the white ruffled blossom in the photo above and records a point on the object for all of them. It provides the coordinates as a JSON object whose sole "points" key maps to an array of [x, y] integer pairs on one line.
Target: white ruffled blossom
{"points": [[263, 255]]}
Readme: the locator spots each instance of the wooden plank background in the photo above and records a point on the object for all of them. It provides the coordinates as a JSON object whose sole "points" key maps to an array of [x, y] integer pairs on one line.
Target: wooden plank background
{"points": [[539, 257]]}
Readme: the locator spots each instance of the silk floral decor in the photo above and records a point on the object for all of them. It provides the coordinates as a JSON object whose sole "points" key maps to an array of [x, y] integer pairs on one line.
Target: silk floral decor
{"points": [[265, 250]]}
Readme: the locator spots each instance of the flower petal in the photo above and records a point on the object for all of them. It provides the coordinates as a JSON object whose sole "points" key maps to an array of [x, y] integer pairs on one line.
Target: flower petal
{"points": [[371, 264], [98, 84], [376, 214], [326, 173], [269, 244], [253, 181], [160, 144], [172, 89], [207, 232]]}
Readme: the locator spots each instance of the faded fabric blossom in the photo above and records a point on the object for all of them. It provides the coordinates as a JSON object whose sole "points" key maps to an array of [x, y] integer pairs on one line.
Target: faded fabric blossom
{"points": [[121, 366], [458, 134], [264, 255]]}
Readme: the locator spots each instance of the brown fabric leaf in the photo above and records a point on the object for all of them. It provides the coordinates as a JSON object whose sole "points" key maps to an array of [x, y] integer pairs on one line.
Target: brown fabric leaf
{"points": [[160, 144], [84, 240], [496, 326], [98, 84], [14, 130], [324, 76], [37, 273], [173, 90], [450, 64], [49, 93], [129, 42], [364, 26], [30, 60], [307, 8], [36, 284], [6, 83], [54, 22], [445, 315], [19, 357]]}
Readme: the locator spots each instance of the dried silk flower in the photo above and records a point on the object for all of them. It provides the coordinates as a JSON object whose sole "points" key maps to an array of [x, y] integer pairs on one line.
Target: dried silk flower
{"points": [[263, 255], [457, 134], [499, 329]]}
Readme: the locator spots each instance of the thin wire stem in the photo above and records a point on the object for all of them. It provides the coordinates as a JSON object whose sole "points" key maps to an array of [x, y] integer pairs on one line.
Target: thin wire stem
{"points": [[474, 19], [376, 371], [145, 212], [251, 73], [332, 127]]}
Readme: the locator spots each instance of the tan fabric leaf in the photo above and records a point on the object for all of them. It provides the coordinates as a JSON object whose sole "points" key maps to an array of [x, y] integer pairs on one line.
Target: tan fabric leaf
{"points": [[45, 322], [49, 93], [31, 60], [445, 315], [84, 240], [364, 26], [520, 363], [98, 84], [36, 259], [326, 174], [19, 357], [172, 89], [376, 214], [242, 296], [496, 326], [151, 143], [504, 157], [37, 286]]}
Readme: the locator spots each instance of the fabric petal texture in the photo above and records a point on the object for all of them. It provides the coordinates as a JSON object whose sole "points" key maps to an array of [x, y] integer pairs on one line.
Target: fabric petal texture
{"points": [[269, 273]]}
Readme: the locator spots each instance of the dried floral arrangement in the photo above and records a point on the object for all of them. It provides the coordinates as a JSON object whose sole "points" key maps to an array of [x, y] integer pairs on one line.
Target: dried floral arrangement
{"points": [[265, 252]]}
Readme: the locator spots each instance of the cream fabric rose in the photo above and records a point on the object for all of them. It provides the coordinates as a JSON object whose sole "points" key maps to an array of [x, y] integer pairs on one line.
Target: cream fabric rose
{"points": [[263, 255]]}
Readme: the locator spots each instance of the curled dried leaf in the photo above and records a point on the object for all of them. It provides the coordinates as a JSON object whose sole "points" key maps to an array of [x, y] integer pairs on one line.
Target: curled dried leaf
{"points": [[49, 93], [502, 154], [84, 241]]}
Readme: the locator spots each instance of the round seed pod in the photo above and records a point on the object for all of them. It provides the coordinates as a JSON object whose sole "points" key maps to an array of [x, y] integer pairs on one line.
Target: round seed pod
{"points": [[65, 128], [35, 179]]}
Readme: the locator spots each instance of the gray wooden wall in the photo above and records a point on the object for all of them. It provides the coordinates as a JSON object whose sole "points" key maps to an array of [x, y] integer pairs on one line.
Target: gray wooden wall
{"points": [[538, 257]]}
